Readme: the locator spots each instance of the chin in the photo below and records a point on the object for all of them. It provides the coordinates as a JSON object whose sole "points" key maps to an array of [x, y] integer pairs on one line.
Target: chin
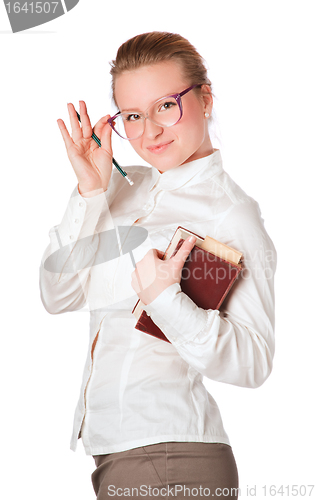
{"points": [[164, 163]]}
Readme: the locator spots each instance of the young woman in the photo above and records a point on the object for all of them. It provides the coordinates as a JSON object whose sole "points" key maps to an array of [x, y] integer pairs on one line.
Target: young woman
{"points": [[144, 413]]}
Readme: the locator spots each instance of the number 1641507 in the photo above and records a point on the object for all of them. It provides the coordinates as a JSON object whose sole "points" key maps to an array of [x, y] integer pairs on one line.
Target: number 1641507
{"points": [[31, 7]]}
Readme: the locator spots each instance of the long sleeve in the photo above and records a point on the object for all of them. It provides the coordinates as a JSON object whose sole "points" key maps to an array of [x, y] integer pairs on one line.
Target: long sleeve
{"points": [[65, 266], [235, 345], [138, 390]]}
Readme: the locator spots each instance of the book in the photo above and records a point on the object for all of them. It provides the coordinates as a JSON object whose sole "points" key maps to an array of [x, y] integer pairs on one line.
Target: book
{"points": [[208, 275]]}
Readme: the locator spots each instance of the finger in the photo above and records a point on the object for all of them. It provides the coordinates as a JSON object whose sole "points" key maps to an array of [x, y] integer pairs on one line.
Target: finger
{"points": [[153, 253], [184, 251], [103, 130], [76, 130], [65, 134], [85, 120], [160, 254]]}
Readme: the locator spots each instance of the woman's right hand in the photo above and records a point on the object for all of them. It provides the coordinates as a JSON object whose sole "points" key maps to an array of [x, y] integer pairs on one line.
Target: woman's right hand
{"points": [[92, 164]]}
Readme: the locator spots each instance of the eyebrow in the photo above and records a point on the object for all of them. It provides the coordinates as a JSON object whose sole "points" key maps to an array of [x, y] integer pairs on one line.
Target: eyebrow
{"points": [[130, 110], [139, 111]]}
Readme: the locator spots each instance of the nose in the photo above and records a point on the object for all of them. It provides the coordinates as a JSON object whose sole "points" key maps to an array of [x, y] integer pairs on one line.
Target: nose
{"points": [[152, 130]]}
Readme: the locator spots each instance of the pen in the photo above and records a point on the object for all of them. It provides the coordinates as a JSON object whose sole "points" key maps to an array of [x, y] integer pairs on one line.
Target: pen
{"points": [[97, 140]]}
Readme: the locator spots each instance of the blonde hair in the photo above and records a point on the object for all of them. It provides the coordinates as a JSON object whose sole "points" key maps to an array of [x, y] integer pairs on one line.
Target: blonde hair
{"points": [[159, 46]]}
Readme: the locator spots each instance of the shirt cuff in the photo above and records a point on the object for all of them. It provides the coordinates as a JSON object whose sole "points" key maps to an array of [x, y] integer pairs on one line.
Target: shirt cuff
{"points": [[177, 316], [82, 216]]}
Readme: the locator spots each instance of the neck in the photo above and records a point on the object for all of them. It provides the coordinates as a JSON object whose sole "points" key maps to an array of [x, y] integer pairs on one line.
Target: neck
{"points": [[199, 155]]}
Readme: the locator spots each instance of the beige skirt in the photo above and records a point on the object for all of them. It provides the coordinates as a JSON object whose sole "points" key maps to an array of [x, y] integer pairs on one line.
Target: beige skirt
{"points": [[165, 470]]}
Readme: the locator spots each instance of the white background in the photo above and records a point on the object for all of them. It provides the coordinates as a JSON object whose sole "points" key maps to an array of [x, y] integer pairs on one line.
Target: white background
{"points": [[261, 60]]}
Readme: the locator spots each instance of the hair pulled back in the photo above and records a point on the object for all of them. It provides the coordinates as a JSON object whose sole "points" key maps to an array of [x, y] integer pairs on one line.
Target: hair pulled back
{"points": [[155, 47]]}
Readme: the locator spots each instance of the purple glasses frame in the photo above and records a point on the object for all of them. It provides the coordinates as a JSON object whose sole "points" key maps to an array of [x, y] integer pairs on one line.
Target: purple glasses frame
{"points": [[177, 97]]}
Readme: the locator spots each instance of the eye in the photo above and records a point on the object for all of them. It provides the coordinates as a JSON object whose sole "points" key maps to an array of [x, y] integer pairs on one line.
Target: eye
{"points": [[132, 117], [167, 105]]}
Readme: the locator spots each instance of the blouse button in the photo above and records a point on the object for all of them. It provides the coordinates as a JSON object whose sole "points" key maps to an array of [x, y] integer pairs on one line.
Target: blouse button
{"points": [[81, 204], [71, 236], [76, 221]]}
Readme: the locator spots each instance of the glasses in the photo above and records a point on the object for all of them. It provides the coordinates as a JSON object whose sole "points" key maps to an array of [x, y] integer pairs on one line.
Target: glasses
{"points": [[165, 112]]}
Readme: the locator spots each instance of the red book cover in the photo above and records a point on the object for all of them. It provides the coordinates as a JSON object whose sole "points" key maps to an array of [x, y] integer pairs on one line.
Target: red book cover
{"points": [[206, 279]]}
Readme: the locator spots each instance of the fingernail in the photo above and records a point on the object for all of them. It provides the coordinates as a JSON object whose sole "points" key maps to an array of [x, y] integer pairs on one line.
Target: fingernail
{"points": [[191, 239]]}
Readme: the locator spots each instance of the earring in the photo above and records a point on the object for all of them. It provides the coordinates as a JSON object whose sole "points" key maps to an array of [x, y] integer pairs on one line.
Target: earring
{"points": [[206, 115]]}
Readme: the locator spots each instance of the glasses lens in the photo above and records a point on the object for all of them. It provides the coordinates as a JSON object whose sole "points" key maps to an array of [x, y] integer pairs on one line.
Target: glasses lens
{"points": [[165, 112], [129, 125]]}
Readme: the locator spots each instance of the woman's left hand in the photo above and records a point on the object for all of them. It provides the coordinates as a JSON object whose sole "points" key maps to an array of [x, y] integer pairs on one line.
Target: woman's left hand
{"points": [[153, 275]]}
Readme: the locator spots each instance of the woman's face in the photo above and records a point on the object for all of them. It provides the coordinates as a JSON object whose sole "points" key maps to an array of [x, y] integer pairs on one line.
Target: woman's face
{"points": [[165, 147]]}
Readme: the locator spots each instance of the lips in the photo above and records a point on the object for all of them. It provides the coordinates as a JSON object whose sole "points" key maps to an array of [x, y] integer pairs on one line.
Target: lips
{"points": [[159, 148]]}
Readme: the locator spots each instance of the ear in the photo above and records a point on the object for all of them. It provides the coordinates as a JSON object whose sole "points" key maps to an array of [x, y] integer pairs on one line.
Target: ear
{"points": [[207, 97]]}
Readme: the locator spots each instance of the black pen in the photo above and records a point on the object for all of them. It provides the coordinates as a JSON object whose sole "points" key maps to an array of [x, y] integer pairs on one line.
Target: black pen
{"points": [[97, 140]]}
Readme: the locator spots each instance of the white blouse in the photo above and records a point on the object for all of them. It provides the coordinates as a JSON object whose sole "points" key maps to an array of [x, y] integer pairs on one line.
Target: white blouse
{"points": [[138, 390]]}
